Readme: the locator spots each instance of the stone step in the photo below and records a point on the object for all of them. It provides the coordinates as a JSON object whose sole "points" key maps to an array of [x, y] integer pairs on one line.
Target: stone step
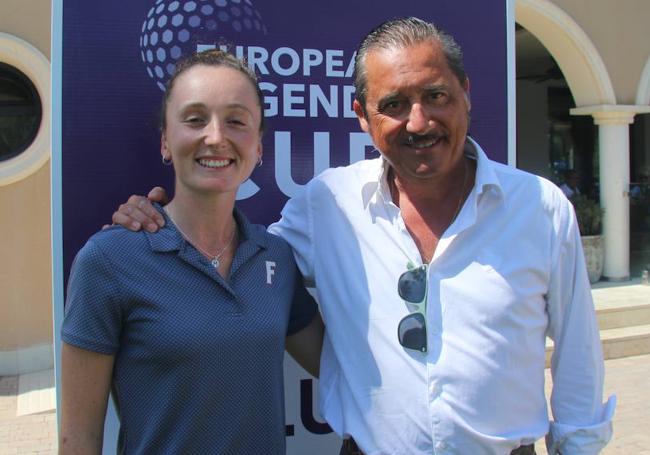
{"points": [[618, 342], [608, 294], [613, 315], [623, 312], [626, 341]]}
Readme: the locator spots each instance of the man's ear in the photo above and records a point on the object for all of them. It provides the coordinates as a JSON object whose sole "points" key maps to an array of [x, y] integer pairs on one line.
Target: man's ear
{"points": [[361, 115], [466, 89]]}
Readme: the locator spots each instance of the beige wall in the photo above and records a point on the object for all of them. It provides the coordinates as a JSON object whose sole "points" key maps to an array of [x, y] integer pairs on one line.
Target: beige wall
{"points": [[25, 271], [28, 20], [619, 31], [25, 268]]}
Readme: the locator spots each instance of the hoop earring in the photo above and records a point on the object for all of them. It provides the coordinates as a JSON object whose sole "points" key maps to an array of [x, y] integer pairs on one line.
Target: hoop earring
{"points": [[260, 162], [166, 161]]}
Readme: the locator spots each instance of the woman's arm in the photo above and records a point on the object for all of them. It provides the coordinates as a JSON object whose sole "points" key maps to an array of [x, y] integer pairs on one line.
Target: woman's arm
{"points": [[85, 386], [305, 345]]}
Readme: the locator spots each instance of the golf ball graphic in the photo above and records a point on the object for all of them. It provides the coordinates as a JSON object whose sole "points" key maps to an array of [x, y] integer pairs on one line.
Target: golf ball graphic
{"points": [[173, 28]]}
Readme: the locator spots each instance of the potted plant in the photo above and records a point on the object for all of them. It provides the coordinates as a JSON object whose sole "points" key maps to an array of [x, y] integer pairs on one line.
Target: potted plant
{"points": [[590, 217]]}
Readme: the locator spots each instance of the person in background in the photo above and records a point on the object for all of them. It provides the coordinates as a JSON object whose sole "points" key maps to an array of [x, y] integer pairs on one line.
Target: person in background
{"points": [[439, 274], [571, 183], [187, 327]]}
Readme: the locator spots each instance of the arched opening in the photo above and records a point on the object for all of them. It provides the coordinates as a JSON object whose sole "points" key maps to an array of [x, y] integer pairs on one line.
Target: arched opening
{"points": [[550, 141], [559, 68]]}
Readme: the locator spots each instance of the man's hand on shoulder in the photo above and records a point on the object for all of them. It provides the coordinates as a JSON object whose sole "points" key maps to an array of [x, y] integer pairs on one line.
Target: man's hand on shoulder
{"points": [[139, 213]]}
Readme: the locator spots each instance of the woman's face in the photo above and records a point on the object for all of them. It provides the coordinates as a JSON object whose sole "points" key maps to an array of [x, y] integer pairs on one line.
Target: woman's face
{"points": [[212, 132]]}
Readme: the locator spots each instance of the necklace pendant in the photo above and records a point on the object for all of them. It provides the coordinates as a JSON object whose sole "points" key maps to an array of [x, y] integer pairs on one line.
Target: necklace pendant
{"points": [[215, 262]]}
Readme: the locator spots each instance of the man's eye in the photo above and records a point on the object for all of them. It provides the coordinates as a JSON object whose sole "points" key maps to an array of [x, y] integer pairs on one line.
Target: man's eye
{"points": [[193, 120], [391, 107], [437, 97], [236, 121]]}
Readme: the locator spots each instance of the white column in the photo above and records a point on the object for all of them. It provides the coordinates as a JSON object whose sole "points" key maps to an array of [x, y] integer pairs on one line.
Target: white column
{"points": [[614, 164]]}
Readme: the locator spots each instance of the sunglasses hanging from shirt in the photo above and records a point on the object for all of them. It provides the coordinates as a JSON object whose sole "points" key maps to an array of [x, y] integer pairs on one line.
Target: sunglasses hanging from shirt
{"points": [[412, 287]]}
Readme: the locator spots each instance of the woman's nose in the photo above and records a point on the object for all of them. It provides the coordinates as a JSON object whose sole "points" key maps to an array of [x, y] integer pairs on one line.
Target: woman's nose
{"points": [[213, 132]]}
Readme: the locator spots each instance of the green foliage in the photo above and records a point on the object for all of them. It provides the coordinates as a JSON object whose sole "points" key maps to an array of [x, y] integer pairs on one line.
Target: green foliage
{"points": [[589, 214]]}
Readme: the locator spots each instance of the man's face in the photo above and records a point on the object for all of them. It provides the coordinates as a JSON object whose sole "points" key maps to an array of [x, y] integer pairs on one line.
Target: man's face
{"points": [[417, 112]]}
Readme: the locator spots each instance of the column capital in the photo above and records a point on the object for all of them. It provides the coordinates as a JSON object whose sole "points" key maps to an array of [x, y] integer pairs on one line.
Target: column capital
{"points": [[611, 114]]}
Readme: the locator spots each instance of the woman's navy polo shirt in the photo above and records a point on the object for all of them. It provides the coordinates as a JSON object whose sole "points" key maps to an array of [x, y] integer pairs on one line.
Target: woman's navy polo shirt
{"points": [[198, 360]]}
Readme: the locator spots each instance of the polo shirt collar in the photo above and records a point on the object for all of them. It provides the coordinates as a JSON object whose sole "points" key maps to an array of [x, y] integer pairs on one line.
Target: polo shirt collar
{"points": [[170, 239]]}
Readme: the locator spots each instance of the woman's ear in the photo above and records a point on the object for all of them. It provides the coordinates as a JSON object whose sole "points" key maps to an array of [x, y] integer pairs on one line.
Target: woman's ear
{"points": [[164, 150]]}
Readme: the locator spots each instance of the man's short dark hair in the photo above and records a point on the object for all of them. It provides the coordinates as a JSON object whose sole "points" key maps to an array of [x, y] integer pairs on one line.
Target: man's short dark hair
{"points": [[400, 33]]}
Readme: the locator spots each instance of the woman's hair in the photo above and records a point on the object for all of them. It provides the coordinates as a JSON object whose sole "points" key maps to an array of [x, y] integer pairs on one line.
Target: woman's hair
{"points": [[217, 58]]}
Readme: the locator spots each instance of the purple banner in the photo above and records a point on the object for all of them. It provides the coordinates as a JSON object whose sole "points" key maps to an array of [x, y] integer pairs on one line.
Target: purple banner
{"points": [[117, 54]]}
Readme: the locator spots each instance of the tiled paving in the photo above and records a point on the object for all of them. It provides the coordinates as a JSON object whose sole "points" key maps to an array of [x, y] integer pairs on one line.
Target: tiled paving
{"points": [[27, 434], [626, 377]]}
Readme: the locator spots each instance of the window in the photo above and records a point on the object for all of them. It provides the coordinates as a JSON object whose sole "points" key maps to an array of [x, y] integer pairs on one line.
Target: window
{"points": [[24, 109], [20, 112]]}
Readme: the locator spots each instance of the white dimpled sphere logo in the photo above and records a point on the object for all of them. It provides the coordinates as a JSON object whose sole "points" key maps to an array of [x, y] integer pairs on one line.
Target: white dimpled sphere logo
{"points": [[174, 28]]}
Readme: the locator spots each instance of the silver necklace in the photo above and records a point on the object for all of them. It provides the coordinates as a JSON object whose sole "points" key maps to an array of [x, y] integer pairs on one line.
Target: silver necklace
{"points": [[214, 262]]}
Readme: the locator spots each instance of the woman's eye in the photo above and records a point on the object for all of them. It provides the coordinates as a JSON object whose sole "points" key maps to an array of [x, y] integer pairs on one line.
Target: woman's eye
{"points": [[237, 121]]}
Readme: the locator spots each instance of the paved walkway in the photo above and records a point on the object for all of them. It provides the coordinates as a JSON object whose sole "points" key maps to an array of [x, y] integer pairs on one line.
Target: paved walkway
{"points": [[28, 434], [627, 377]]}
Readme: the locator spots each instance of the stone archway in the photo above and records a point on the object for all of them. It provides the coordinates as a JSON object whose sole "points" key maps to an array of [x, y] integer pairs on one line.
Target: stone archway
{"points": [[643, 92], [571, 48], [592, 90]]}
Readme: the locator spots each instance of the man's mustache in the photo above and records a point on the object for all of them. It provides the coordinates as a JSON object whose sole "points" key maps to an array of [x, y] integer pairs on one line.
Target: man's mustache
{"points": [[414, 139]]}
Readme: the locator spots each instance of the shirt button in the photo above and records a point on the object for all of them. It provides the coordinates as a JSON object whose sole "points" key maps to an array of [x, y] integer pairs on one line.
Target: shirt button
{"points": [[435, 389], [440, 445]]}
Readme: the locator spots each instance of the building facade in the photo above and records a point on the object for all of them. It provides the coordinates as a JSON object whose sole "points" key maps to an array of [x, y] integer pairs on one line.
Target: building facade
{"points": [[600, 48]]}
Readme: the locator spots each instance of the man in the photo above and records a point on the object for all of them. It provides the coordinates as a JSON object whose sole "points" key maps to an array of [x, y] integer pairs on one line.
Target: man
{"points": [[571, 182], [439, 274]]}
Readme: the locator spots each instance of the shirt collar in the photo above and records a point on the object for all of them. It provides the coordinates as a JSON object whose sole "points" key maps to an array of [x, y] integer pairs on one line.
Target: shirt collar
{"points": [[376, 189], [486, 178], [170, 239]]}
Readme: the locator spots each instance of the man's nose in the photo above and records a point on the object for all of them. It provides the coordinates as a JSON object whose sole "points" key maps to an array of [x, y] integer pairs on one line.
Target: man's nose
{"points": [[419, 121]]}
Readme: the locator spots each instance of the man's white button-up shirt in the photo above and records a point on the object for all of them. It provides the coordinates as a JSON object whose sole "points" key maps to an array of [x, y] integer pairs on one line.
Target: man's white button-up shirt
{"points": [[507, 273]]}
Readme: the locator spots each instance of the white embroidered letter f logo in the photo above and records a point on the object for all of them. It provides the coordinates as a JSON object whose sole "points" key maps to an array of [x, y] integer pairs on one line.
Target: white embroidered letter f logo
{"points": [[270, 271]]}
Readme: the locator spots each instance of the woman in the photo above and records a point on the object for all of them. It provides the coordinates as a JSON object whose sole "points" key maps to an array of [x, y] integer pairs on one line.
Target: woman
{"points": [[187, 326]]}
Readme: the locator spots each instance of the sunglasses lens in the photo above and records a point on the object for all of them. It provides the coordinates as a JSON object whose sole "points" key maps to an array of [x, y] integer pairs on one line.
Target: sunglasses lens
{"points": [[412, 285], [412, 332]]}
